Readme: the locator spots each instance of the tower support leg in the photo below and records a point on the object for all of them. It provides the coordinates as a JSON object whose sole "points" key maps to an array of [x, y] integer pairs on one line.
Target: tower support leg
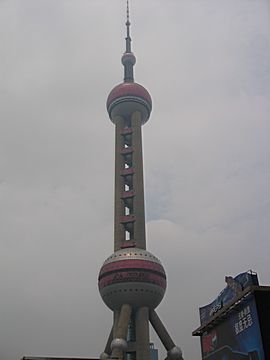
{"points": [[107, 351], [173, 351], [142, 334], [119, 343]]}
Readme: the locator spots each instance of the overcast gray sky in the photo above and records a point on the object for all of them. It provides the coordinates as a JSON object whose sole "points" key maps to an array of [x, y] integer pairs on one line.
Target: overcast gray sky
{"points": [[206, 157]]}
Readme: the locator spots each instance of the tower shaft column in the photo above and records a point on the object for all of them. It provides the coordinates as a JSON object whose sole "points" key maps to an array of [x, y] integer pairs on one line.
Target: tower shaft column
{"points": [[139, 224], [119, 187], [129, 216]]}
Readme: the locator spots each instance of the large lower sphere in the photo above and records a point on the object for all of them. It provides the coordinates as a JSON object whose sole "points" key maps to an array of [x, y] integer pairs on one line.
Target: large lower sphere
{"points": [[127, 98], [132, 276]]}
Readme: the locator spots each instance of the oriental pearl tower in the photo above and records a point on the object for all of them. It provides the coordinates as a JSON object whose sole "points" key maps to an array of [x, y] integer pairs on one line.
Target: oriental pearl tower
{"points": [[132, 281]]}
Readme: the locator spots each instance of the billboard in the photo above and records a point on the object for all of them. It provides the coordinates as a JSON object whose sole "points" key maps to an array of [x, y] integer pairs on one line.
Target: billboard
{"points": [[238, 337], [235, 286]]}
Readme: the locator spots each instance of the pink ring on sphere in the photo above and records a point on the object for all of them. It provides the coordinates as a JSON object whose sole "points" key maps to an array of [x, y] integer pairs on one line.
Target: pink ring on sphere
{"points": [[132, 276]]}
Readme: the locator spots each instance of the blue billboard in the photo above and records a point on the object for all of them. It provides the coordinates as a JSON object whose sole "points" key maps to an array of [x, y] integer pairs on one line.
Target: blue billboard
{"points": [[238, 337], [234, 287]]}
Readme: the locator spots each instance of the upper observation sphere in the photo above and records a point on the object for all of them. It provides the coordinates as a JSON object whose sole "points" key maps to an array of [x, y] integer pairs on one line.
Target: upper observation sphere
{"points": [[128, 58], [128, 97]]}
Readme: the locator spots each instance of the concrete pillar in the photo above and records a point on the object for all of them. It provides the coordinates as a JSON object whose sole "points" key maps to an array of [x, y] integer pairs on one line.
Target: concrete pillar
{"points": [[108, 344], [161, 330], [139, 225], [142, 334], [119, 344], [116, 315]]}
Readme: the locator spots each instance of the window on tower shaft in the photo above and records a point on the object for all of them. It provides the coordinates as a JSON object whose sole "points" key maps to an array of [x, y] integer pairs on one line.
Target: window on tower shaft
{"points": [[127, 140], [127, 187], [127, 235]]}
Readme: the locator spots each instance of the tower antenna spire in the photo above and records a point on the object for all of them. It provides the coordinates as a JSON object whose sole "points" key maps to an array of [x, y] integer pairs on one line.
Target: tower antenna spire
{"points": [[128, 59], [128, 38]]}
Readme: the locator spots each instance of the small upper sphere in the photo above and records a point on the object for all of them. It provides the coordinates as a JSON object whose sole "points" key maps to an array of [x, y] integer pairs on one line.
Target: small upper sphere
{"points": [[132, 276], [128, 97], [128, 57]]}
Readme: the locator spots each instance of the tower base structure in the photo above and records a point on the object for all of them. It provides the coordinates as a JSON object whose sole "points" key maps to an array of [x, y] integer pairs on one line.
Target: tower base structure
{"points": [[236, 325], [121, 344], [132, 283]]}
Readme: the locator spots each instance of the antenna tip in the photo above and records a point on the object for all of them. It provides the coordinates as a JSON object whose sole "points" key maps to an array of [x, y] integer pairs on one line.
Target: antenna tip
{"points": [[127, 10]]}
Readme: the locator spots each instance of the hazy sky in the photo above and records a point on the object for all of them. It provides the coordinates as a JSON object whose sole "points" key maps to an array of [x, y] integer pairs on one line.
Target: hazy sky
{"points": [[206, 64]]}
